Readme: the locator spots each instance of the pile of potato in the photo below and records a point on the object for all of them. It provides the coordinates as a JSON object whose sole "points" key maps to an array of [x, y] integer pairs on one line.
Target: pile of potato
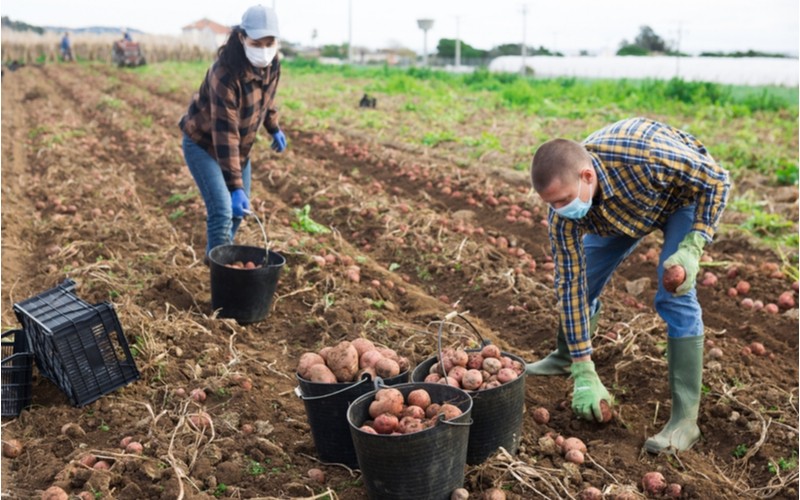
{"points": [[348, 361], [391, 414], [475, 371]]}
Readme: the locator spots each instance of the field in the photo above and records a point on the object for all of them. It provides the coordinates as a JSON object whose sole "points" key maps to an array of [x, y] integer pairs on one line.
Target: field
{"points": [[429, 197]]}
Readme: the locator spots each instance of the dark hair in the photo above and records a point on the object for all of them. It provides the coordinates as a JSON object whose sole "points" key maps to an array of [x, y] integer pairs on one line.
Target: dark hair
{"points": [[231, 55], [558, 158]]}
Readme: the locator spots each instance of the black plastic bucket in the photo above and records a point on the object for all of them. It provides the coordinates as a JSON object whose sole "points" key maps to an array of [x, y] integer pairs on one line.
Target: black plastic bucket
{"points": [[244, 294], [326, 411], [424, 465], [497, 413]]}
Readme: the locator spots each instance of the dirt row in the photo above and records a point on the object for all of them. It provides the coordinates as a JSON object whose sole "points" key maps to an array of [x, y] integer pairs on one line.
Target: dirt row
{"points": [[95, 187]]}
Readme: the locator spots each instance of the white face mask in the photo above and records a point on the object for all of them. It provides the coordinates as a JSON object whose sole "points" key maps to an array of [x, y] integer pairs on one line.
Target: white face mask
{"points": [[260, 57]]}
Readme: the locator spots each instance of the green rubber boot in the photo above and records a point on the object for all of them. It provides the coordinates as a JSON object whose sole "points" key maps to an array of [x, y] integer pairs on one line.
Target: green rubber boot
{"points": [[559, 361], [685, 357]]}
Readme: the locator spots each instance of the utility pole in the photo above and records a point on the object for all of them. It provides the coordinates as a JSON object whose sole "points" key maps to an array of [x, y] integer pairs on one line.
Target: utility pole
{"points": [[350, 31], [678, 51], [458, 44], [524, 40]]}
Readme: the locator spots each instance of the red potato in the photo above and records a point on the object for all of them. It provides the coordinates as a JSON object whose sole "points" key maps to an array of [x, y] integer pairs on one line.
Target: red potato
{"points": [[733, 292], [457, 372], [54, 493], [387, 400], [653, 483], [363, 345], [101, 465], [124, 442], [673, 490], [771, 308], [591, 493], [432, 378], [491, 351], [389, 353], [343, 361], [369, 359], [449, 381], [460, 494], [758, 348], [404, 364], [709, 279], [574, 456], [198, 395], [368, 429], [786, 300], [316, 475], [472, 380], [134, 447], [387, 368], [12, 448], [420, 398], [605, 410], [410, 425], [541, 416], [506, 375], [325, 351], [432, 410], [491, 365], [385, 423], [413, 411], [450, 411], [573, 443], [87, 460], [673, 278], [475, 361], [321, 374], [494, 494], [307, 360], [715, 353], [747, 303], [743, 287], [86, 495]]}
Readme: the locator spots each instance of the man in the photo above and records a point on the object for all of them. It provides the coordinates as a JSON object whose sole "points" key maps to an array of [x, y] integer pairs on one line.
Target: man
{"points": [[605, 194], [66, 48]]}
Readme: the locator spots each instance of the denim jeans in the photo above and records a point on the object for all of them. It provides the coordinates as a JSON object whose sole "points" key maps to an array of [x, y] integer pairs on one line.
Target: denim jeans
{"points": [[604, 253], [221, 225]]}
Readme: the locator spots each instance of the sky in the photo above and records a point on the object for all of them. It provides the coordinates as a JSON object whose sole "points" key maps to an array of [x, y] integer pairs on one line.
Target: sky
{"points": [[568, 26]]}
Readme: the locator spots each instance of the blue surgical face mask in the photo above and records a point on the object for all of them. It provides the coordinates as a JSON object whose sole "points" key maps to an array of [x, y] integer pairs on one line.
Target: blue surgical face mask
{"points": [[577, 208]]}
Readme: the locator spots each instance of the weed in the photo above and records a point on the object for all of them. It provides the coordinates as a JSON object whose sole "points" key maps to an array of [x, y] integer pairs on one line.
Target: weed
{"points": [[180, 197], [705, 390], [103, 426], [783, 464], [740, 450], [394, 266], [255, 468], [176, 214], [378, 304], [220, 490], [305, 223]]}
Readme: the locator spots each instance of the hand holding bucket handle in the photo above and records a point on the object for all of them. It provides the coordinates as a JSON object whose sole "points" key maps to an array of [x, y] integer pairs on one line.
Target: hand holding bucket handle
{"points": [[263, 232]]}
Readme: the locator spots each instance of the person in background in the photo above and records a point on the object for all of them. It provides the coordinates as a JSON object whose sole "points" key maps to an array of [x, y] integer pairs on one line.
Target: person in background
{"points": [[66, 48], [605, 194], [126, 36], [235, 99]]}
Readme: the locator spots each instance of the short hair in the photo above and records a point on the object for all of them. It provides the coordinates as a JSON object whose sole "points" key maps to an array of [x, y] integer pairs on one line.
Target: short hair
{"points": [[557, 158]]}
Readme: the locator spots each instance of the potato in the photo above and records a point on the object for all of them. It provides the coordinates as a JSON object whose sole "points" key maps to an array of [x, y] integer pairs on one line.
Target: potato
{"points": [[743, 287], [343, 361], [321, 374], [432, 410], [605, 409], [419, 397], [475, 361], [134, 447], [491, 351], [363, 345], [54, 493], [673, 490], [316, 475], [307, 360], [87, 460], [494, 494], [573, 443], [591, 493], [457, 372], [101, 465], [450, 411], [12, 448], [325, 351], [409, 425], [460, 494], [366, 371], [385, 423], [198, 395], [574, 456], [387, 400], [506, 375], [673, 278], [368, 429], [432, 378], [413, 411], [369, 359], [786, 300], [459, 357], [449, 381], [387, 368], [491, 365], [404, 364], [389, 353], [472, 380], [758, 348], [653, 483], [541, 416]]}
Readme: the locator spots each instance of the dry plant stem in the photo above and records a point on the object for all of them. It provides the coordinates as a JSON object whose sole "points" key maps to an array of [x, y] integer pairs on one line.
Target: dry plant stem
{"points": [[525, 473], [601, 468]]}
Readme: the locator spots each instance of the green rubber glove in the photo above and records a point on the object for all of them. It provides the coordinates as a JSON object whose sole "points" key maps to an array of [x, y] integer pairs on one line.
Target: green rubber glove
{"points": [[687, 256], [588, 391]]}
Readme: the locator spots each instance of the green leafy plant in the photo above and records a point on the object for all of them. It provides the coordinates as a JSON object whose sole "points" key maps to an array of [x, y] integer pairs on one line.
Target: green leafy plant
{"points": [[255, 468], [305, 223], [220, 490], [740, 450]]}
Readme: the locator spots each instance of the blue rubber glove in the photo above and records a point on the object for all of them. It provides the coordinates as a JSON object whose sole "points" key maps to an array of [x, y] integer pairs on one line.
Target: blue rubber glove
{"points": [[688, 255], [587, 391], [278, 142], [239, 202]]}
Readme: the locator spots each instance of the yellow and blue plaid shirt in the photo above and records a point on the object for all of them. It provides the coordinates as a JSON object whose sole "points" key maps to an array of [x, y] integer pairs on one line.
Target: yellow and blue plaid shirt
{"points": [[646, 170]]}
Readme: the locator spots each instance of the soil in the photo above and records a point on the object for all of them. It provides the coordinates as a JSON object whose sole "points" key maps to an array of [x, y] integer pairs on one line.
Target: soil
{"points": [[428, 237]]}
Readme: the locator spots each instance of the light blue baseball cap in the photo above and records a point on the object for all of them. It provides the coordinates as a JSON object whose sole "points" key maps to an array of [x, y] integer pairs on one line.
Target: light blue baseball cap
{"points": [[259, 21]]}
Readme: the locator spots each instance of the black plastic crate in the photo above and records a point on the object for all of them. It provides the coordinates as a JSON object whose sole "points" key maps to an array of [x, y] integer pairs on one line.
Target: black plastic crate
{"points": [[79, 346], [17, 370]]}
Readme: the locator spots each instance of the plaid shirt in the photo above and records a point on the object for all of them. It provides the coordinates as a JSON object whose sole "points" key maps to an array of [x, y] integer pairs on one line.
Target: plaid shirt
{"points": [[645, 171], [225, 115]]}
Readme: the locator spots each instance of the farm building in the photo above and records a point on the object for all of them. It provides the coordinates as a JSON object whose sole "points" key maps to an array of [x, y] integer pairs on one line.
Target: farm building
{"points": [[206, 33]]}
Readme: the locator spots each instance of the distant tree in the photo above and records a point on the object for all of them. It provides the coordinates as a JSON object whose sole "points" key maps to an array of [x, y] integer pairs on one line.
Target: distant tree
{"points": [[749, 53], [446, 48], [515, 49], [337, 51], [632, 50], [646, 41], [19, 25]]}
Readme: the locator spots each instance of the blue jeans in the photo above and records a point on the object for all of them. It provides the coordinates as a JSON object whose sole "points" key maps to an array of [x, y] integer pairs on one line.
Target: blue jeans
{"points": [[682, 314], [221, 225]]}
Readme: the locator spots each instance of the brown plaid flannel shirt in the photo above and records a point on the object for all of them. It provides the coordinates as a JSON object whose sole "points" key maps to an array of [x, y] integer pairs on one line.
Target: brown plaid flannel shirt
{"points": [[225, 114]]}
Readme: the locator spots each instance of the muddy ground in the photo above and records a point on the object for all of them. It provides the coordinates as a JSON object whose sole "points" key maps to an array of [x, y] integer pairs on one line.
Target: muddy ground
{"points": [[94, 188]]}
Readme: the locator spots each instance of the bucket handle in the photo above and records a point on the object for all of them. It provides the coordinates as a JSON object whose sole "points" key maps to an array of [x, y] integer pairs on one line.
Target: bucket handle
{"points": [[364, 378], [263, 233], [448, 317]]}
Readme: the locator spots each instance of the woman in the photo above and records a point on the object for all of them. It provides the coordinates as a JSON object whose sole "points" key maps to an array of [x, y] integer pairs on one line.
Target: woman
{"points": [[219, 128]]}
